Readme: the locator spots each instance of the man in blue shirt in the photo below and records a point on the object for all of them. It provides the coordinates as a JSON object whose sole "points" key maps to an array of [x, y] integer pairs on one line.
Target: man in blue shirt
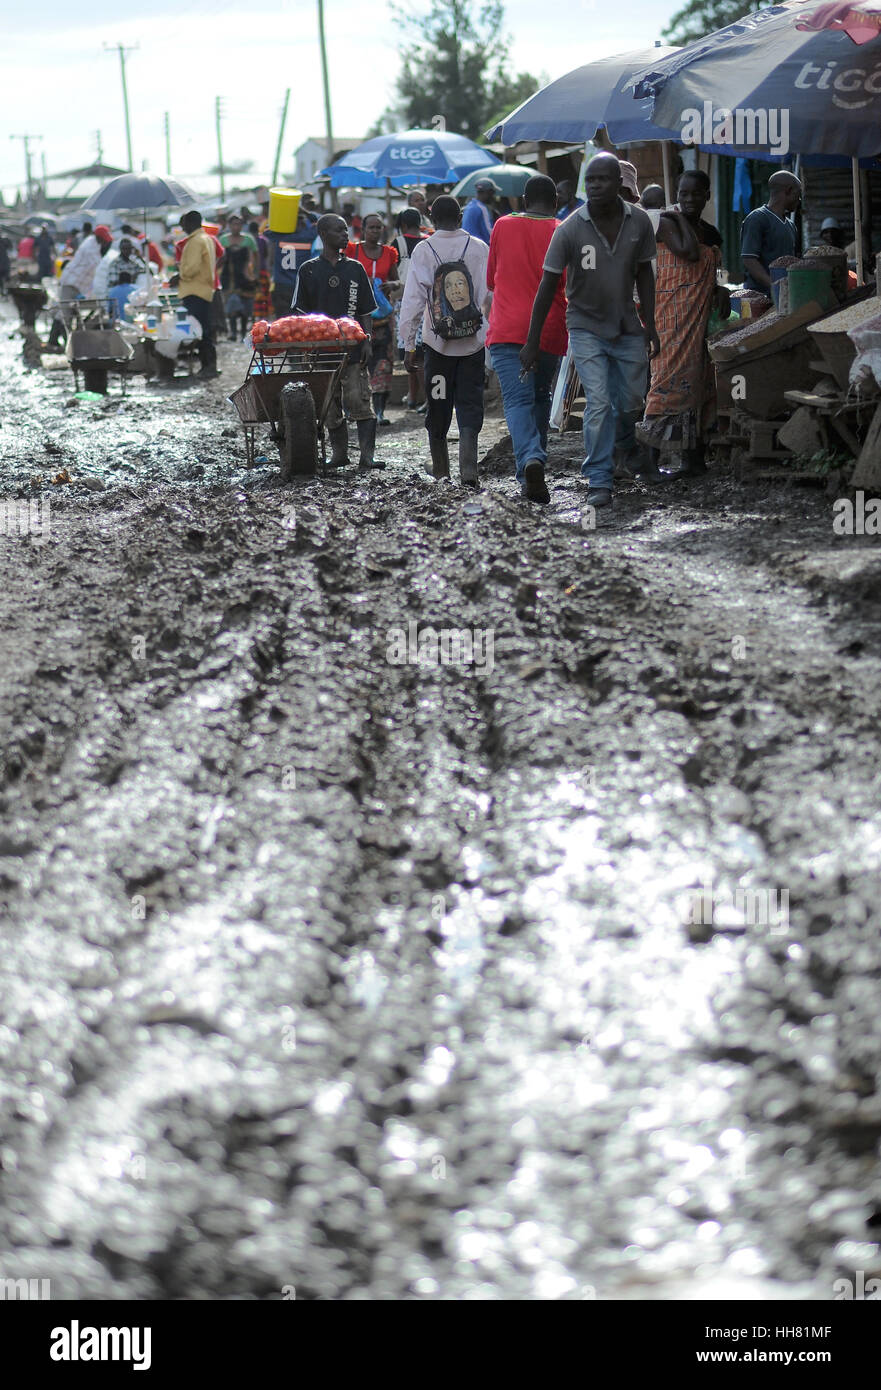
{"points": [[478, 217], [290, 249], [768, 232]]}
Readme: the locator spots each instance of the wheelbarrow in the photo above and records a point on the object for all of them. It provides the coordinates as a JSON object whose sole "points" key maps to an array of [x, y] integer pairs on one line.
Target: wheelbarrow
{"points": [[28, 300], [289, 387], [96, 352]]}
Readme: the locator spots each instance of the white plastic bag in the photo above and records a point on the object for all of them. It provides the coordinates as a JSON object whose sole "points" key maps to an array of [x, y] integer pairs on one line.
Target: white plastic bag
{"points": [[865, 370]]}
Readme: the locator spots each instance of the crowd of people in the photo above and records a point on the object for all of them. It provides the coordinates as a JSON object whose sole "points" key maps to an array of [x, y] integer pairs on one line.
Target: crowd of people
{"points": [[617, 283], [617, 287]]}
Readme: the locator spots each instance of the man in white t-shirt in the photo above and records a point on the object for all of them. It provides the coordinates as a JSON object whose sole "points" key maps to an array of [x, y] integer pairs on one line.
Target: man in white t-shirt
{"points": [[454, 360]]}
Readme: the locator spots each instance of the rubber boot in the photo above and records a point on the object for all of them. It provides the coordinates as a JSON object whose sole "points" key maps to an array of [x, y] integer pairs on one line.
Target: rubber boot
{"points": [[367, 443], [468, 457], [693, 464], [440, 457], [339, 441]]}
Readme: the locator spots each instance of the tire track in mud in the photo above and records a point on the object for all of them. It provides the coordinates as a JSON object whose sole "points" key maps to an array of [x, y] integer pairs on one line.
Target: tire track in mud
{"points": [[412, 1010]]}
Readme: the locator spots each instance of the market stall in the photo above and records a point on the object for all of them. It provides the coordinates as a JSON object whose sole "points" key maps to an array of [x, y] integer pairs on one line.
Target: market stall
{"points": [[784, 377]]}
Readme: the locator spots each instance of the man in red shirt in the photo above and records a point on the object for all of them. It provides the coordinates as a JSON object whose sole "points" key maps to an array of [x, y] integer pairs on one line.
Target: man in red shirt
{"points": [[516, 256]]}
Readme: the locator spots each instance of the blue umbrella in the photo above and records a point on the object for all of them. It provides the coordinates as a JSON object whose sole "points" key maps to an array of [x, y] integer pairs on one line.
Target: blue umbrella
{"points": [[409, 157], [808, 69], [805, 74], [572, 108]]}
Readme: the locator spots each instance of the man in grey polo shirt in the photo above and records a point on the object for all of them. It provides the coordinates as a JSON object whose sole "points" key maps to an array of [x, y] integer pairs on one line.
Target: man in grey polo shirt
{"points": [[604, 248]]}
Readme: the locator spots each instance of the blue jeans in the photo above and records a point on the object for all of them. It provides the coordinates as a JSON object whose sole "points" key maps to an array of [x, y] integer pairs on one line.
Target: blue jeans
{"points": [[527, 403], [613, 374]]}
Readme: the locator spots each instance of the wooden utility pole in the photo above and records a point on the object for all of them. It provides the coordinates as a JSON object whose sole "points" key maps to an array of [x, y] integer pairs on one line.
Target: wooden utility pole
{"points": [[328, 118], [284, 117], [218, 112], [123, 50], [29, 192], [167, 125]]}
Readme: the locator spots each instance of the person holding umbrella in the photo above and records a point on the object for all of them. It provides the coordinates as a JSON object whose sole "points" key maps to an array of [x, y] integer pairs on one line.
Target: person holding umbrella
{"points": [[479, 215], [149, 251]]}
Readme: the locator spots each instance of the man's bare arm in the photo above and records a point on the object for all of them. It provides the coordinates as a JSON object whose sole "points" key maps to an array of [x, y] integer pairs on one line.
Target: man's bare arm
{"points": [[756, 271]]}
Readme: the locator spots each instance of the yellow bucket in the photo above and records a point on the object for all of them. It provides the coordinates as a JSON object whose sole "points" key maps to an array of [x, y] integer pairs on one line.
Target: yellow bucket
{"points": [[284, 209]]}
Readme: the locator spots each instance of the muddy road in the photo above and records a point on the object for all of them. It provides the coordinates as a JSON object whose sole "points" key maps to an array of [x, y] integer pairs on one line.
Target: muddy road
{"points": [[327, 971]]}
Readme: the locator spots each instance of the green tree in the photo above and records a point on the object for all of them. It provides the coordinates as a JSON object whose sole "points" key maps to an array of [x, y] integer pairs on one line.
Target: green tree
{"points": [[697, 18], [455, 69]]}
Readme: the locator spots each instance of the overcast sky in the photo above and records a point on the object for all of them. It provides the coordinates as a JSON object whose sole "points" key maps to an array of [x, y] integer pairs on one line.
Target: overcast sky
{"points": [[56, 80]]}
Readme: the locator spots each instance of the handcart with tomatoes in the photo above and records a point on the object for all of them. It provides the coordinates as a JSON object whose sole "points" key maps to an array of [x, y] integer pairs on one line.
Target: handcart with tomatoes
{"points": [[296, 366]]}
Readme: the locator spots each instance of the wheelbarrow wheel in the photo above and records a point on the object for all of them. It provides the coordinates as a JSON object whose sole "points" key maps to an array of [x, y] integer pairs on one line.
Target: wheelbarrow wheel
{"points": [[96, 379], [298, 429]]}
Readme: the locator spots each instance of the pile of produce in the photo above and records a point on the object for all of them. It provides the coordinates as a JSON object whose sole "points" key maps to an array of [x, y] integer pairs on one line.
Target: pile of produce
{"points": [[833, 259], [749, 303], [786, 261], [751, 326], [306, 330], [854, 316], [817, 253]]}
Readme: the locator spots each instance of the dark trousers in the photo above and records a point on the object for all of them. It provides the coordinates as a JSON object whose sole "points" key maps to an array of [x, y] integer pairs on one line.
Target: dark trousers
{"points": [[282, 298], [453, 382], [203, 311]]}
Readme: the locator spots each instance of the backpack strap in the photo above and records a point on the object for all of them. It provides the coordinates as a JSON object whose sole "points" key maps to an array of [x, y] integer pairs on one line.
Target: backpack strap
{"points": [[461, 255]]}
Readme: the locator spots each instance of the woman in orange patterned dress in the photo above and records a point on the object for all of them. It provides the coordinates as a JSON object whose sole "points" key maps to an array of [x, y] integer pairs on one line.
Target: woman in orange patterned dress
{"points": [[681, 405]]}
